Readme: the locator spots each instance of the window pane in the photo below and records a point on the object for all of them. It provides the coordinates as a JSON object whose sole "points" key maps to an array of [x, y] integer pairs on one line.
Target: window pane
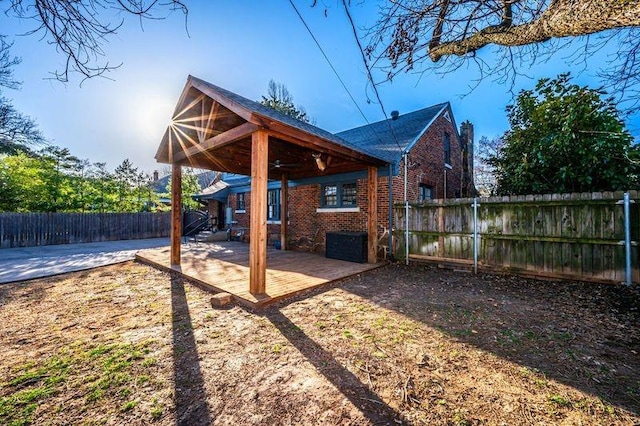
{"points": [[330, 195], [240, 202], [426, 192], [273, 204], [349, 194], [447, 148]]}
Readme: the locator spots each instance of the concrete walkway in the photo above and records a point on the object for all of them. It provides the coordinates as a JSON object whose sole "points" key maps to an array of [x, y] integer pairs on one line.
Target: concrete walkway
{"points": [[26, 263]]}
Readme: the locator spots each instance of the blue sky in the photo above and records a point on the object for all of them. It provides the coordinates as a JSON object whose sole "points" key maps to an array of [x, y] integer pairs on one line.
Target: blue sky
{"points": [[240, 46]]}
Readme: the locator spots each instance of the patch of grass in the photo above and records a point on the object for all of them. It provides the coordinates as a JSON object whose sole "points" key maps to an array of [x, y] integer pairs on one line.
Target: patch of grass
{"points": [[559, 400], [109, 369], [149, 362], [157, 409], [141, 380], [32, 383], [127, 406], [277, 348], [347, 334], [460, 419]]}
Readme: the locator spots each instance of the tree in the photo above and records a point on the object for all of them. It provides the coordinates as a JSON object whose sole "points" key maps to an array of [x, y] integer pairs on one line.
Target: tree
{"points": [[7, 62], [105, 189], [279, 98], [190, 187], [484, 172], [126, 179], [17, 132], [446, 34], [57, 166], [78, 29], [564, 138]]}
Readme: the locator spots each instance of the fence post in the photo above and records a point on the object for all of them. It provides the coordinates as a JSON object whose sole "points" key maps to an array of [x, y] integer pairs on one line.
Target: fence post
{"points": [[627, 238], [475, 235]]}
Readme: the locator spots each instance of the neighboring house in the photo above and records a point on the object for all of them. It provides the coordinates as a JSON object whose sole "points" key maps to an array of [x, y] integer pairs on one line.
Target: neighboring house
{"points": [[439, 160], [160, 185]]}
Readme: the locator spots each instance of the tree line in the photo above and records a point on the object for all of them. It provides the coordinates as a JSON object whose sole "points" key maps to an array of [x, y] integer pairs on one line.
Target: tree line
{"points": [[53, 180]]}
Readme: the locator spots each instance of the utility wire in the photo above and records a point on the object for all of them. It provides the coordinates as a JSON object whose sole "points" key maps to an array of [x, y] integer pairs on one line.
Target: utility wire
{"points": [[328, 61], [369, 75]]}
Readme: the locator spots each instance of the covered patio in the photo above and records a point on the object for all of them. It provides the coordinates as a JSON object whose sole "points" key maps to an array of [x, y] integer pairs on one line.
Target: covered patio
{"points": [[224, 267], [215, 129]]}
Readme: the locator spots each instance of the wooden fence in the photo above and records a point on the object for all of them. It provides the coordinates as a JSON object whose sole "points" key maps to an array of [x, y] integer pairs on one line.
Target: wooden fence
{"points": [[39, 229], [574, 236]]}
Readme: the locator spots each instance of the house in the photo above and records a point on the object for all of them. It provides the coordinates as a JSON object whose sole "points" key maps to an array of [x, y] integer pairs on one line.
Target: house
{"points": [[160, 185], [440, 165], [306, 181]]}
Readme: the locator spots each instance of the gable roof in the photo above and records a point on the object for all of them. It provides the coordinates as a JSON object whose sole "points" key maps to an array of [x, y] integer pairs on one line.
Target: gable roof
{"points": [[268, 112], [187, 140], [390, 139]]}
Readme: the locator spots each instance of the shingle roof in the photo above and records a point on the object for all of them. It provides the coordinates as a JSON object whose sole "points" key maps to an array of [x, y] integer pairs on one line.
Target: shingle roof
{"points": [[273, 114], [204, 180], [389, 139]]}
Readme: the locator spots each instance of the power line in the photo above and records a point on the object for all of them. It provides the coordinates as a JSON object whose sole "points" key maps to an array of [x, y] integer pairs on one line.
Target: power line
{"points": [[369, 75], [329, 61]]}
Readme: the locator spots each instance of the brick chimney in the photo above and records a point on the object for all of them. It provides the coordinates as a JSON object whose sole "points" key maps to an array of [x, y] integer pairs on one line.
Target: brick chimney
{"points": [[466, 136]]}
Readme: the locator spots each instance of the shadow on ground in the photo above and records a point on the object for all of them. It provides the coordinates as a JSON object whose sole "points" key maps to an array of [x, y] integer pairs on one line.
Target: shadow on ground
{"points": [[359, 394], [584, 335], [190, 396]]}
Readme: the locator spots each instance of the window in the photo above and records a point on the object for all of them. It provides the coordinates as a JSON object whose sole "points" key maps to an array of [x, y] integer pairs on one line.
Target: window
{"points": [[273, 204], [426, 192], [339, 195], [240, 201], [447, 148], [349, 194], [330, 195]]}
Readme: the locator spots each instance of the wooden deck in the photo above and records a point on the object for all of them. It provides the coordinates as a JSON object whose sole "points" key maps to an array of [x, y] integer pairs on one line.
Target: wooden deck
{"points": [[224, 267]]}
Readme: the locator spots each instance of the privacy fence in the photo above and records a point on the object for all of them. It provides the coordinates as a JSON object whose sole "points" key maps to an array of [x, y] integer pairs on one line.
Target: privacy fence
{"points": [[574, 236], [39, 229]]}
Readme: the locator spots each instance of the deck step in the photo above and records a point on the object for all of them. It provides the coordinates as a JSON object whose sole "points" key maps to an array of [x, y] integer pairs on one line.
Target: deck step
{"points": [[208, 236]]}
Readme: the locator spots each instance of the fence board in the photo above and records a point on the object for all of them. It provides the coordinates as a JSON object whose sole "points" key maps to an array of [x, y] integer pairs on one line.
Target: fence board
{"points": [[39, 229], [554, 235]]}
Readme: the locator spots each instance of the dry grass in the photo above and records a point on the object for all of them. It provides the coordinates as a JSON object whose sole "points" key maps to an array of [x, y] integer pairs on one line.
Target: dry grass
{"points": [[128, 344]]}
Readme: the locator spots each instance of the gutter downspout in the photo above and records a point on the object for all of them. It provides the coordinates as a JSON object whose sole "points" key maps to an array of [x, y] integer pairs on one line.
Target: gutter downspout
{"points": [[391, 256], [406, 211]]}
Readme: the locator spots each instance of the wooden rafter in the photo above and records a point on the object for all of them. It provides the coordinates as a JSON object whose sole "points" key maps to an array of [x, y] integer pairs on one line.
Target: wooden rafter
{"points": [[219, 141]]}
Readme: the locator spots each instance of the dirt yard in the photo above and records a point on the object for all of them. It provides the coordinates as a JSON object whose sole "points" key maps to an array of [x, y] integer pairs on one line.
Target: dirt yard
{"points": [[128, 344]]}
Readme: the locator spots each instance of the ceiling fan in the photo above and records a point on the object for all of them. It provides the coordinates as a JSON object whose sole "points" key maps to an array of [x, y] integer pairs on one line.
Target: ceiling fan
{"points": [[277, 164]]}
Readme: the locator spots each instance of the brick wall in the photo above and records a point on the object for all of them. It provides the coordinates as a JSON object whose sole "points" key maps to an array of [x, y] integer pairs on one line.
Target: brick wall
{"points": [[426, 165]]}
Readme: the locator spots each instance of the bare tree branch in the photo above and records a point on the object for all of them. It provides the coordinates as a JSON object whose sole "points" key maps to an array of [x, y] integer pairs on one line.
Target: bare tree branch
{"points": [[79, 28], [7, 62], [443, 35]]}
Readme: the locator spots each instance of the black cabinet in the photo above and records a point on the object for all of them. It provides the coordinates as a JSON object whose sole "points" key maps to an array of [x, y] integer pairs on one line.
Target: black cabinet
{"points": [[351, 246]]}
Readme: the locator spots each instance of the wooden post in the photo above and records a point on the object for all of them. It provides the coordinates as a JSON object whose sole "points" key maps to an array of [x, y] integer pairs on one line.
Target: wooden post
{"points": [[372, 220], [284, 211], [258, 230], [176, 213]]}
